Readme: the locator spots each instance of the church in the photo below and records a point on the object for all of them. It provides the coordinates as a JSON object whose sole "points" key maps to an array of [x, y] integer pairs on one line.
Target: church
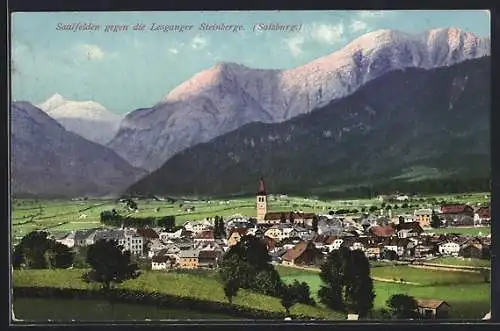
{"points": [[265, 217]]}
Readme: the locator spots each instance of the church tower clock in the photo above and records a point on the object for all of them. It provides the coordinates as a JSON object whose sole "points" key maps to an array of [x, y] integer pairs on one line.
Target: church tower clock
{"points": [[261, 201]]}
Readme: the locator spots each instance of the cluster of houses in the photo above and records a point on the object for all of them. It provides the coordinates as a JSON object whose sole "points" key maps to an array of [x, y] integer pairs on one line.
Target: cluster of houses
{"points": [[289, 238], [298, 238]]}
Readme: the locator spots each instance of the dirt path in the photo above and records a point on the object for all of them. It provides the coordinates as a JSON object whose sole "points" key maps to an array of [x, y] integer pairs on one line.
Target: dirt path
{"points": [[386, 280]]}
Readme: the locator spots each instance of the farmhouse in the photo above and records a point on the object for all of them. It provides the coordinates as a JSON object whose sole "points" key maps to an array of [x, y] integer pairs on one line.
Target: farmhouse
{"points": [[303, 254], [433, 309], [458, 214], [84, 237]]}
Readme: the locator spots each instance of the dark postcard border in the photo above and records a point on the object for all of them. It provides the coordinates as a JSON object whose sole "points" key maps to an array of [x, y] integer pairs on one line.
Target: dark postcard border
{"points": [[152, 5]]}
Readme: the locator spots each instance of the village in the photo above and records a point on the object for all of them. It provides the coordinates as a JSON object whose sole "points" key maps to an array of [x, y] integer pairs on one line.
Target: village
{"points": [[417, 235], [302, 239]]}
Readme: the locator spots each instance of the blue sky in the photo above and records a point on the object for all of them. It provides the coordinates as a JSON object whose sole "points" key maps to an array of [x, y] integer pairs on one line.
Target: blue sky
{"points": [[130, 69]]}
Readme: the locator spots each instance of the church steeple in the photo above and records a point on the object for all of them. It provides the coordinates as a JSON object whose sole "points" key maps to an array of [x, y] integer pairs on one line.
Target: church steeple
{"points": [[261, 200], [262, 187]]}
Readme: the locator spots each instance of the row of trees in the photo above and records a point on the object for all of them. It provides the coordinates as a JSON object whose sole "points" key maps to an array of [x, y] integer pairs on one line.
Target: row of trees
{"points": [[112, 218], [219, 228]]}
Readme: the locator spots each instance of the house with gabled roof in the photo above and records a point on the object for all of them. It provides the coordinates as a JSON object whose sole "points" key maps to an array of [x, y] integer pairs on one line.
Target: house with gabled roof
{"points": [[205, 237], [433, 309], [235, 235], [482, 216], [303, 254]]}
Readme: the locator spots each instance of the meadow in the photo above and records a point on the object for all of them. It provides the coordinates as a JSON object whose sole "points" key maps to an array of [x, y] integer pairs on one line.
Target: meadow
{"points": [[465, 231], [197, 285], [43, 309], [468, 294], [66, 215]]}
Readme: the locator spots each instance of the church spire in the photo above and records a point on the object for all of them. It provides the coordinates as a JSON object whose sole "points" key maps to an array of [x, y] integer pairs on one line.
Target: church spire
{"points": [[262, 187]]}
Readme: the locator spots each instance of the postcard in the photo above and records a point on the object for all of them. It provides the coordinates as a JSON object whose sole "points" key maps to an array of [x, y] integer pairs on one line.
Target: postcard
{"points": [[250, 165]]}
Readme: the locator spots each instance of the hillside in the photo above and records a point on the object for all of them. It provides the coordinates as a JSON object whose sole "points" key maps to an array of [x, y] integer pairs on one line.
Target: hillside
{"points": [[49, 161], [405, 120], [228, 96]]}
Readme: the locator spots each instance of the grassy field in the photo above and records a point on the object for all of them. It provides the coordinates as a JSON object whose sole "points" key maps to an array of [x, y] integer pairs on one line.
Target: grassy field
{"points": [[41, 309], [64, 215], [194, 285], [466, 231], [467, 294], [457, 261]]}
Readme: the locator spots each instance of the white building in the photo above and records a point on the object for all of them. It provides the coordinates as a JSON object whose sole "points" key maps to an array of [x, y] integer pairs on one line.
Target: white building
{"points": [[449, 248], [164, 235]]}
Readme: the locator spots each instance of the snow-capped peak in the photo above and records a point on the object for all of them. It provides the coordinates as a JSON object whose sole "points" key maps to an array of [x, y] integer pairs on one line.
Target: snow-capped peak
{"points": [[52, 102], [89, 119]]}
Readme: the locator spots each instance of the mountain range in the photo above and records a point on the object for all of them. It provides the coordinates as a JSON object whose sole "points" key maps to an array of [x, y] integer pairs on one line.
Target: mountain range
{"points": [[87, 118], [48, 160], [434, 121], [386, 91], [228, 95]]}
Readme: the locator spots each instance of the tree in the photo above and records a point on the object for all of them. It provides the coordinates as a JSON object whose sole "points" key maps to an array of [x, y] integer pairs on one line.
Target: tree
{"points": [[230, 290], [222, 227], [404, 205], [373, 208], [268, 282], [435, 221], [37, 251], [332, 276], [302, 292], [283, 218], [109, 264], [315, 222], [216, 227], [288, 298], [388, 207], [359, 292], [402, 306], [347, 285], [248, 263]]}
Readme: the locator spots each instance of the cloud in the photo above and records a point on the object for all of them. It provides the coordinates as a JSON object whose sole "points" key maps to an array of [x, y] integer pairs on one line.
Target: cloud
{"points": [[294, 44], [322, 33], [327, 33], [199, 42], [357, 26], [91, 52], [173, 50]]}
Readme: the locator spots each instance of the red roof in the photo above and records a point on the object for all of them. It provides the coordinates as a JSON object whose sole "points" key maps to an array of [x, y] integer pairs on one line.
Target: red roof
{"points": [[262, 187], [455, 209], [382, 231], [209, 234], [272, 216], [484, 212], [295, 252]]}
